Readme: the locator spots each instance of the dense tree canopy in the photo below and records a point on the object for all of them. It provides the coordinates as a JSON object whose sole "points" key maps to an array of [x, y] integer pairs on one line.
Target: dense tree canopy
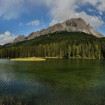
{"points": [[62, 44]]}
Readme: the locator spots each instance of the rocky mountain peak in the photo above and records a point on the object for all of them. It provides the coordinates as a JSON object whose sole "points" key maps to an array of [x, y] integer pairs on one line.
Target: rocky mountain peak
{"points": [[75, 22], [71, 25], [20, 38]]}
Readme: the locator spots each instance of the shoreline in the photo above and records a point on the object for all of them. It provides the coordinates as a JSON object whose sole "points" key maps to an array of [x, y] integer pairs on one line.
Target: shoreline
{"points": [[45, 58], [28, 59]]}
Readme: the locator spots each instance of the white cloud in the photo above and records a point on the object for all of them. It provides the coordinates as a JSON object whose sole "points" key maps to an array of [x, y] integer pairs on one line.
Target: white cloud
{"points": [[53, 22], [101, 7], [92, 20], [62, 10], [99, 4], [33, 23], [59, 10], [10, 9], [21, 24], [6, 38], [93, 2]]}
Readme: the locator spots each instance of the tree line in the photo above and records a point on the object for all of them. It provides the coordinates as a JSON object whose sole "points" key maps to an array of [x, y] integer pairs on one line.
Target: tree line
{"points": [[61, 44]]}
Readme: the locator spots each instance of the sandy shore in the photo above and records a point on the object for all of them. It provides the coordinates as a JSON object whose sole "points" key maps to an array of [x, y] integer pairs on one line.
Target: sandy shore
{"points": [[28, 59]]}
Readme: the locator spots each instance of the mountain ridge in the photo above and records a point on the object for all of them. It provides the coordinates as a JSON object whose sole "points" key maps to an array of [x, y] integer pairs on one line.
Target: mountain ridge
{"points": [[70, 25], [20, 38]]}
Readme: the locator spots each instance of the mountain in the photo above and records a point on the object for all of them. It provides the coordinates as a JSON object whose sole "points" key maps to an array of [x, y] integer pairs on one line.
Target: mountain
{"points": [[73, 38], [20, 38], [71, 25]]}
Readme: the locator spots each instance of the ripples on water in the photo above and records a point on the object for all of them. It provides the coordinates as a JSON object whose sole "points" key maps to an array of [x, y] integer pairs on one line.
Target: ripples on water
{"points": [[54, 82]]}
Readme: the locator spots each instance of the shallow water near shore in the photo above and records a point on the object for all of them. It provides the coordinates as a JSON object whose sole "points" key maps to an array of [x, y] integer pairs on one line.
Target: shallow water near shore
{"points": [[53, 82]]}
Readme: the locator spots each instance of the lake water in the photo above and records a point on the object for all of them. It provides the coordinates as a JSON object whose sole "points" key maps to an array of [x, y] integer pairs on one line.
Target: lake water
{"points": [[53, 82]]}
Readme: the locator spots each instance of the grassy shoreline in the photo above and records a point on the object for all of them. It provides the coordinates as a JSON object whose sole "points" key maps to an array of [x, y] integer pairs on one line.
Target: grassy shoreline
{"points": [[28, 59]]}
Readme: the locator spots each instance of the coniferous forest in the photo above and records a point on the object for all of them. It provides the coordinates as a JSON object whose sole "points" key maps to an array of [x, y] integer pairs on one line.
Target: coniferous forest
{"points": [[59, 44]]}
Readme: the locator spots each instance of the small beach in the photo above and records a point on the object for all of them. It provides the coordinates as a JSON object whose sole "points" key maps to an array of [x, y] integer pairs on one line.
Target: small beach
{"points": [[28, 59]]}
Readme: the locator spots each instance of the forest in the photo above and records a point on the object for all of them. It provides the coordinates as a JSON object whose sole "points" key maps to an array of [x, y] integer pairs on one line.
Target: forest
{"points": [[59, 44]]}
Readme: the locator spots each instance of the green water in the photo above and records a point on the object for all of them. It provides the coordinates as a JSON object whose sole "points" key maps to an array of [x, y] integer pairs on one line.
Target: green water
{"points": [[53, 82]]}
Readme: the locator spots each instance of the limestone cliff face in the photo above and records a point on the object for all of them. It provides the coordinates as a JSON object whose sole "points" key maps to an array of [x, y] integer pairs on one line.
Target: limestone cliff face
{"points": [[72, 25]]}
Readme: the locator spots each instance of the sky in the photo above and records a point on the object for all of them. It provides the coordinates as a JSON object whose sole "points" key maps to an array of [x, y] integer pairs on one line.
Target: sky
{"points": [[21, 17]]}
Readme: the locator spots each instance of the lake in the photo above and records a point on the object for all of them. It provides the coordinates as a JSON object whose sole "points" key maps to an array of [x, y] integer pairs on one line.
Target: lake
{"points": [[52, 82]]}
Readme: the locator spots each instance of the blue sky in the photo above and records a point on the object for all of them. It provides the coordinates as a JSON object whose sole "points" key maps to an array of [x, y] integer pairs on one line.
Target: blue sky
{"points": [[25, 16]]}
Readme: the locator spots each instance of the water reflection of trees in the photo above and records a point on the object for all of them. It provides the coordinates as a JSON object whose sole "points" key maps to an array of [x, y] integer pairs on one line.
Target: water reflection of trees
{"points": [[11, 101]]}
